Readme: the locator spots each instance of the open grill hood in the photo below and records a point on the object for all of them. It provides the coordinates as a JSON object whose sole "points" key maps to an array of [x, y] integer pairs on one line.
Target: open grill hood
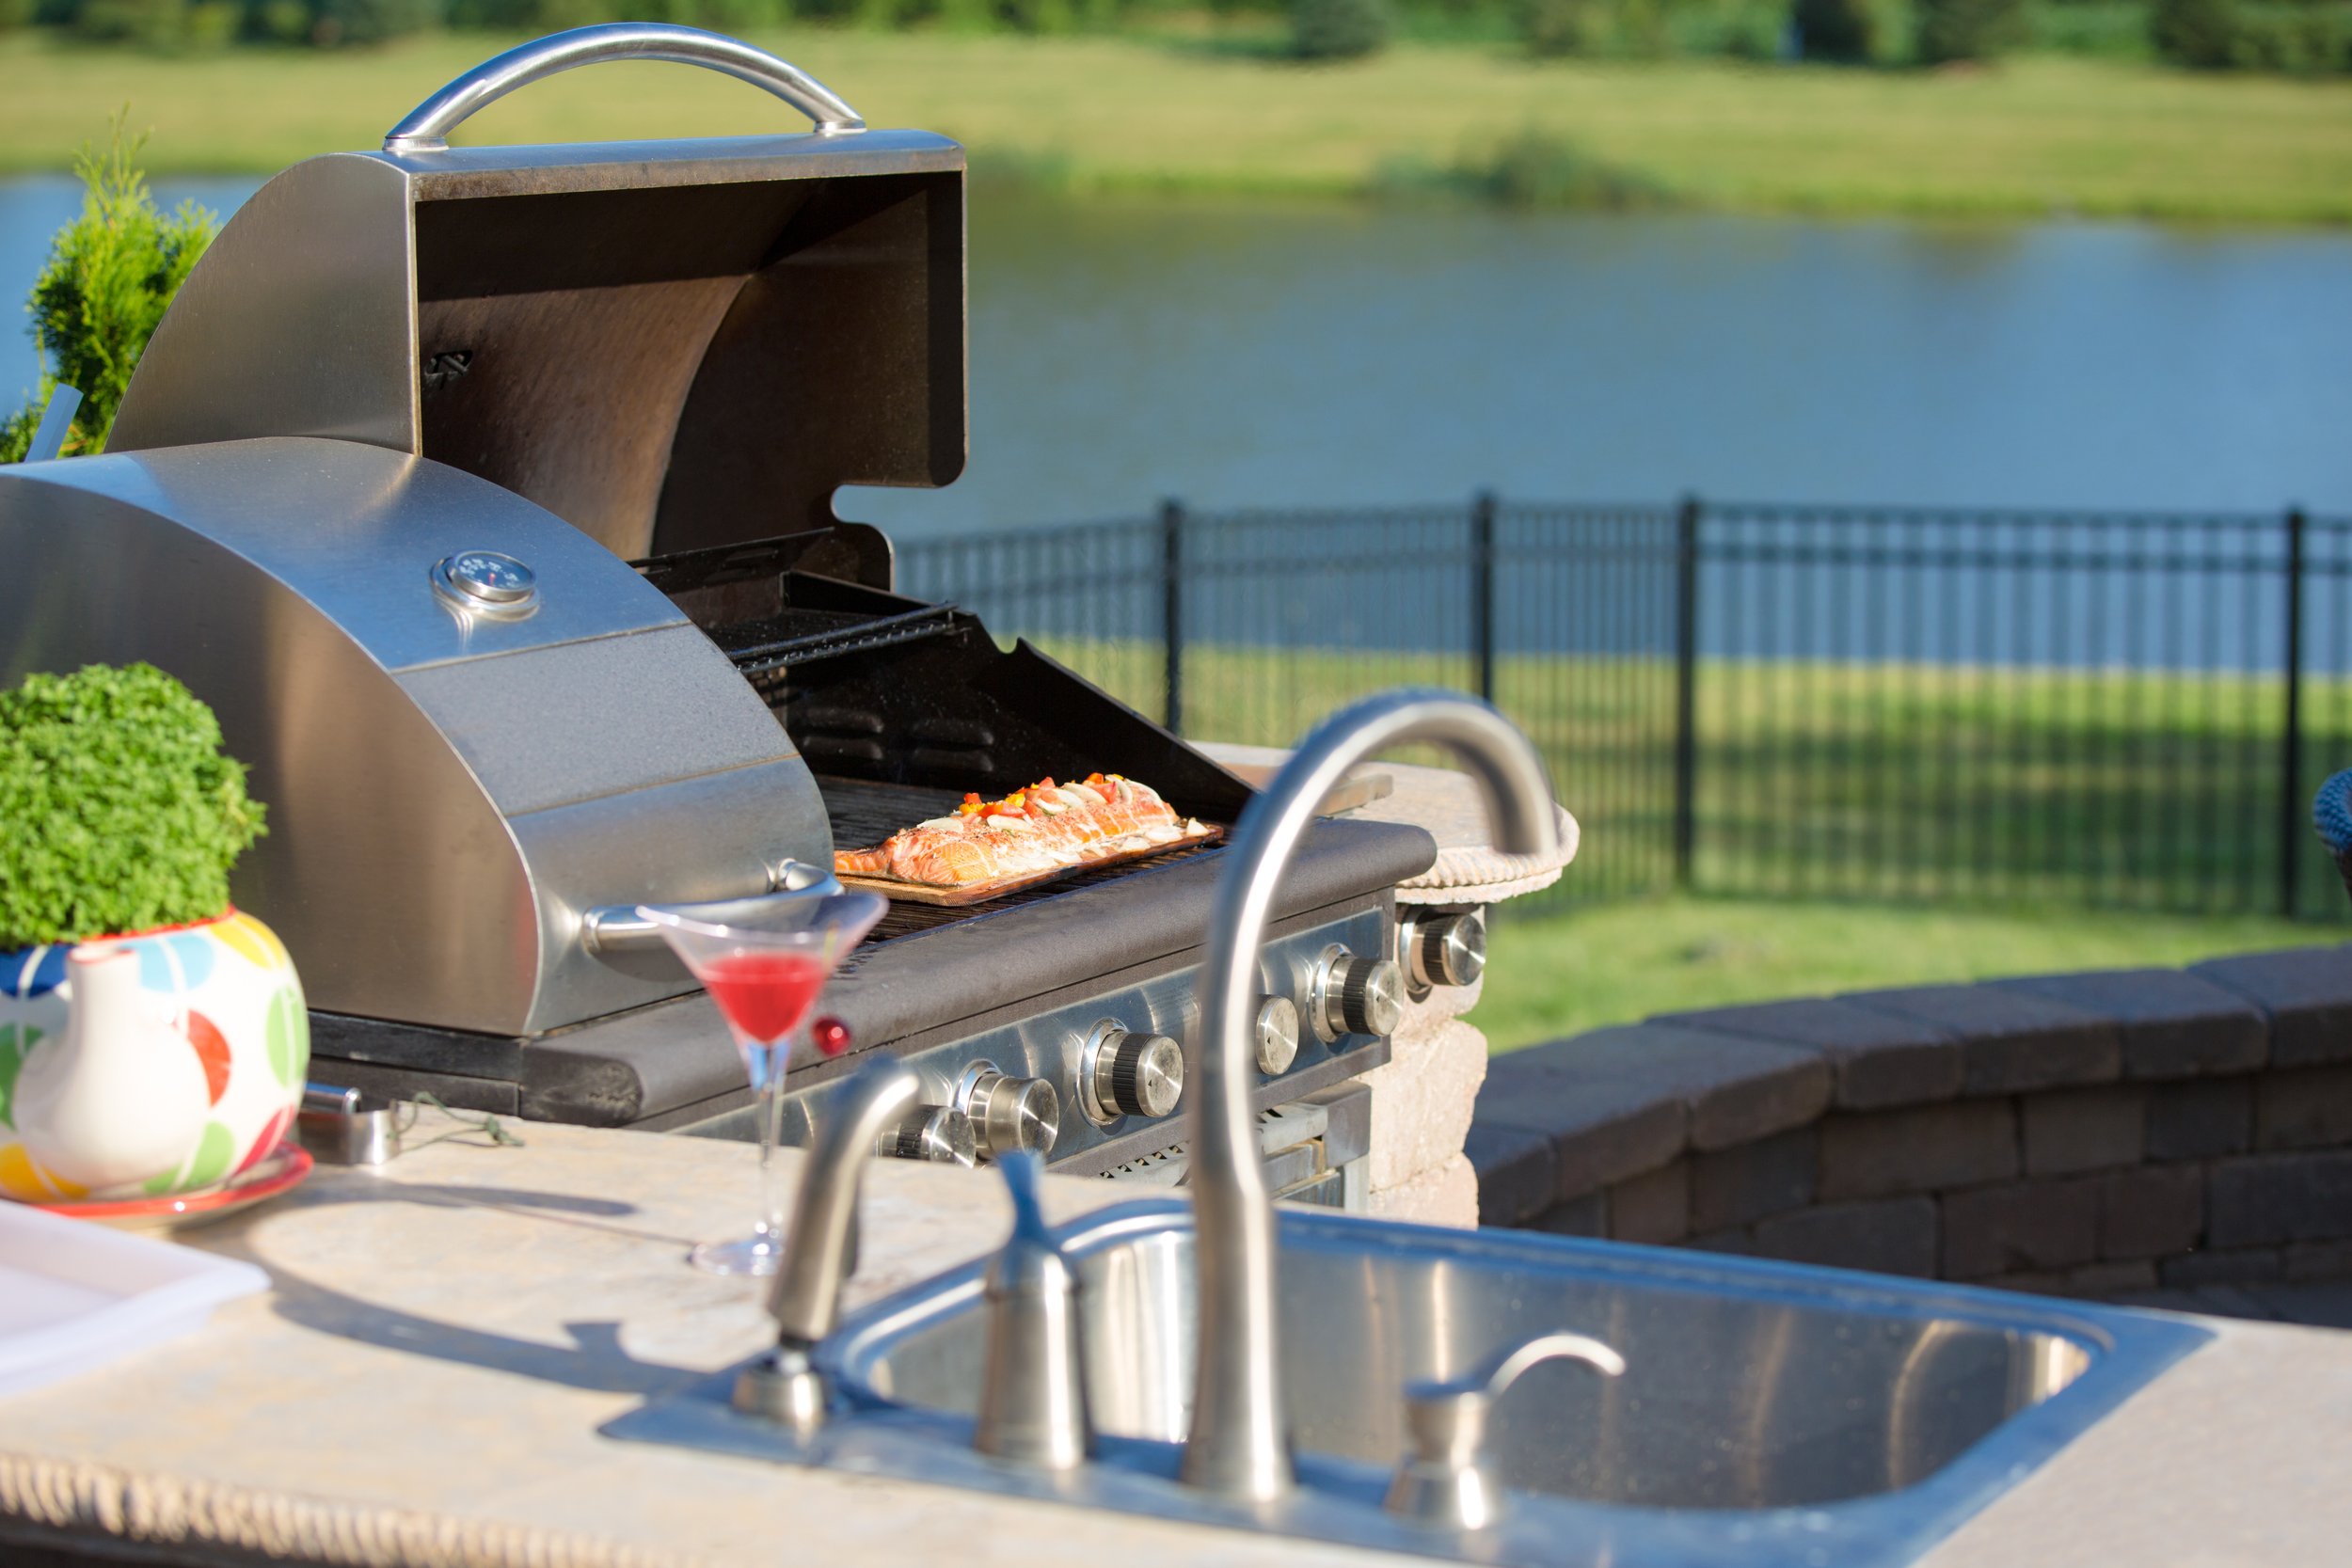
{"points": [[574, 357], [670, 345]]}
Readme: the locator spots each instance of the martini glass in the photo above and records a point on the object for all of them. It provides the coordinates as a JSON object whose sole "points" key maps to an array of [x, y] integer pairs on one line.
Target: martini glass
{"points": [[765, 972]]}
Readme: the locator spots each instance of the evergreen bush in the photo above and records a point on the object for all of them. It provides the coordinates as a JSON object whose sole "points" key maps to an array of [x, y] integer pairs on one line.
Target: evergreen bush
{"points": [[1537, 168], [1340, 29], [1554, 29], [1954, 30], [2199, 34], [2230, 35], [347, 23], [1849, 32], [110, 274]]}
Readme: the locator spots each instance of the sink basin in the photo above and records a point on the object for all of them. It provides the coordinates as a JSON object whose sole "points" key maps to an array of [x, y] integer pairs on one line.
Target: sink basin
{"points": [[1768, 1413]]}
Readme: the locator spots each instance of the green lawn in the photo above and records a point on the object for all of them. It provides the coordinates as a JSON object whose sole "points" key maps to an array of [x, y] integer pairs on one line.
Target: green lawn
{"points": [[2037, 136], [1563, 973], [1928, 823]]}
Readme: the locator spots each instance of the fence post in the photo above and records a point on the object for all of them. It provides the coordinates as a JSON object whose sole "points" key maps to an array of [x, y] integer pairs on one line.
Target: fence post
{"points": [[1686, 687], [2294, 809], [1482, 591], [1172, 612]]}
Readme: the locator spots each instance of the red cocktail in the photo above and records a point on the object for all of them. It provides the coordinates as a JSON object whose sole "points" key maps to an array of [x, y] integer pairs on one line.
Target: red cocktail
{"points": [[765, 995], [765, 978]]}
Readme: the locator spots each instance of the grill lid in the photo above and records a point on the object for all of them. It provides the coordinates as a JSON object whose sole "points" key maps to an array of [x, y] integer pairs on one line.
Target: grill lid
{"points": [[672, 345]]}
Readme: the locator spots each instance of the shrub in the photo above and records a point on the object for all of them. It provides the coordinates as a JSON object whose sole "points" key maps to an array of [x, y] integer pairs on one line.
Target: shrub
{"points": [[1951, 30], [123, 815], [1746, 32], [153, 24], [1338, 29], [1538, 170], [109, 276], [2108, 29], [2199, 34], [339, 24], [278, 22], [1061, 16], [1640, 30], [15, 13], [2227, 35], [1556, 28], [1848, 31]]}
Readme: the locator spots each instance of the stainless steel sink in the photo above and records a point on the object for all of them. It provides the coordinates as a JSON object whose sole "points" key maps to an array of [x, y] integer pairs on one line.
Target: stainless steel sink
{"points": [[1768, 1413]]}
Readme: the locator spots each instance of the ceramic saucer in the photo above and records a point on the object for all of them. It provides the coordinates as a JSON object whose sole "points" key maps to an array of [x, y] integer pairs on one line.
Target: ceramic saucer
{"points": [[285, 1165]]}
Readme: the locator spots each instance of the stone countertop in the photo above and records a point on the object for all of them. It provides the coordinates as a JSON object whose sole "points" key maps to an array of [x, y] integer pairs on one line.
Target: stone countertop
{"points": [[1469, 869], [446, 1335]]}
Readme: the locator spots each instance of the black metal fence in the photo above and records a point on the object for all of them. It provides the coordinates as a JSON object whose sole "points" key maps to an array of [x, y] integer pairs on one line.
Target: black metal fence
{"points": [[2103, 710]]}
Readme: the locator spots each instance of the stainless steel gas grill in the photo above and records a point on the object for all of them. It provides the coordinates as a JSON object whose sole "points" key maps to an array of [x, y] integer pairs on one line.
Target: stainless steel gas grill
{"points": [[486, 493]]}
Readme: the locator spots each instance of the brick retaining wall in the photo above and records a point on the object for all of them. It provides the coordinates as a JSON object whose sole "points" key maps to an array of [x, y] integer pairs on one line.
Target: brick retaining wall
{"points": [[2080, 1133]]}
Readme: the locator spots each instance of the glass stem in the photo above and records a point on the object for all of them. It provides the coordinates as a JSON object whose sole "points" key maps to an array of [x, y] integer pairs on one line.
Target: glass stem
{"points": [[772, 1059]]}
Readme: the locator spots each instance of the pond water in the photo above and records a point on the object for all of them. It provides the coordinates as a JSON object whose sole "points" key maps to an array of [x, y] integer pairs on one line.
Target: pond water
{"points": [[1249, 354]]}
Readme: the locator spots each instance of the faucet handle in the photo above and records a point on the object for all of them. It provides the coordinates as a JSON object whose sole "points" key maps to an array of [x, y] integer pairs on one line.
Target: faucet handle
{"points": [[1447, 1479]]}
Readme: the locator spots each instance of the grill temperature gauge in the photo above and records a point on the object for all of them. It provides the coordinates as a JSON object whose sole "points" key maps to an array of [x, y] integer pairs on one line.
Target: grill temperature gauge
{"points": [[484, 582]]}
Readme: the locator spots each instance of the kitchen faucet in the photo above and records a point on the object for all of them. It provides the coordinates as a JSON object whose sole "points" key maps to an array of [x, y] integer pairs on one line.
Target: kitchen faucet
{"points": [[1239, 1441], [821, 1248]]}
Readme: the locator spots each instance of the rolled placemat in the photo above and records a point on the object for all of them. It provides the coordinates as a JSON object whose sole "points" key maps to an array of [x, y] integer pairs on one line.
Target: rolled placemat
{"points": [[2331, 814]]}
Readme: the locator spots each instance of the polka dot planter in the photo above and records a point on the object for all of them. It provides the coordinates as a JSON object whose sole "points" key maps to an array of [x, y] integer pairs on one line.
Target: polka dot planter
{"points": [[223, 992]]}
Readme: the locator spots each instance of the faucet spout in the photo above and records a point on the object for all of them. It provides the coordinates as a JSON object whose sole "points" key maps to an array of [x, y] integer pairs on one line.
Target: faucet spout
{"points": [[820, 1249], [1239, 1440]]}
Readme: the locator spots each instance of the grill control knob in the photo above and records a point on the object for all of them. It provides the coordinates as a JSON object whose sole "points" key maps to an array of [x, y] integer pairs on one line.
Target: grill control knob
{"points": [[1125, 1074], [1355, 996], [935, 1133], [1012, 1116], [1277, 1034], [1444, 949]]}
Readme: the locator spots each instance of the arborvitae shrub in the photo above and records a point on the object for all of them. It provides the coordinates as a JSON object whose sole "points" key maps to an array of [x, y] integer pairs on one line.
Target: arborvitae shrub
{"points": [[108, 278]]}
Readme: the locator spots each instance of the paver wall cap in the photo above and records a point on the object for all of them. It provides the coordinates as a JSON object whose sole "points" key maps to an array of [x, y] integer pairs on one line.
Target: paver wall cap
{"points": [[2014, 1042], [1876, 1057], [2174, 1024], [2306, 993]]}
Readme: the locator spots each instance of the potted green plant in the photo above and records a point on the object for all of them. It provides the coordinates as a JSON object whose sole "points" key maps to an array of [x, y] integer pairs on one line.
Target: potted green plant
{"points": [[153, 1038]]}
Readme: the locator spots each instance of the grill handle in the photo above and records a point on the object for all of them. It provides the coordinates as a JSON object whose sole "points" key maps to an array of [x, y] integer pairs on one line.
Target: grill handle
{"points": [[427, 126], [618, 931]]}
